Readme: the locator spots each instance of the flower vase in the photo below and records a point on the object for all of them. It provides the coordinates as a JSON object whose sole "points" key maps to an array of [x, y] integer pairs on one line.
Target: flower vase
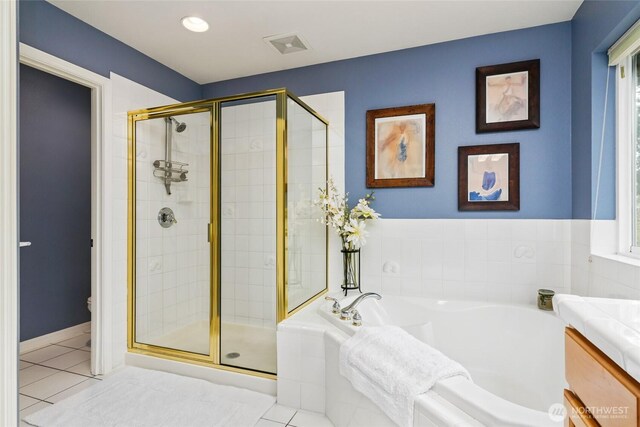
{"points": [[351, 270]]}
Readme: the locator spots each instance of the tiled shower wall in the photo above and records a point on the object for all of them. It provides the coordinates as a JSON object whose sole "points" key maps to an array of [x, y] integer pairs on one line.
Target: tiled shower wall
{"points": [[495, 260], [172, 264], [248, 225], [126, 96]]}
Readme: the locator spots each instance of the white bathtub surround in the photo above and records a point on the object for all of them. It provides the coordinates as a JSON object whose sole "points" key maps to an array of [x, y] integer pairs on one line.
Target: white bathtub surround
{"points": [[503, 392], [346, 406], [483, 260], [596, 270], [301, 360], [392, 368]]}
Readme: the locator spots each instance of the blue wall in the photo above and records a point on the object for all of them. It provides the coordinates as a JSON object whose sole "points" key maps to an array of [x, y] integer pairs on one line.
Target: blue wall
{"points": [[45, 27], [573, 62], [445, 74], [595, 27], [55, 203]]}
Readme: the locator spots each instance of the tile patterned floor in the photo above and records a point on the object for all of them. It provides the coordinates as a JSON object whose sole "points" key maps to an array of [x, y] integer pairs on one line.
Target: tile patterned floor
{"points": [[280, 416], [52, 373], [57, 371]]}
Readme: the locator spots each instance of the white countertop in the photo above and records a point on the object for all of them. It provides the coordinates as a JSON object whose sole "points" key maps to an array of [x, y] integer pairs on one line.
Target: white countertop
{"points": [[612, 325]]}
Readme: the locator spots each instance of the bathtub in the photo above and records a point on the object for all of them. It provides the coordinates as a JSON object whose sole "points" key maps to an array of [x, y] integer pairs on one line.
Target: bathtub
{"points": [[515, 355]]}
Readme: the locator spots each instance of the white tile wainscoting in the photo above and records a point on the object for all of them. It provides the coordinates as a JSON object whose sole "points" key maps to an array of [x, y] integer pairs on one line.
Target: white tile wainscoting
{"points": [[484, 260], [595, 270]]}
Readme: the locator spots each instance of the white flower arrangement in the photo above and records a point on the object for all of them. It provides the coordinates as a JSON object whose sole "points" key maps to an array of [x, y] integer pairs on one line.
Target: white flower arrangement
{"points": [[348, 222]]}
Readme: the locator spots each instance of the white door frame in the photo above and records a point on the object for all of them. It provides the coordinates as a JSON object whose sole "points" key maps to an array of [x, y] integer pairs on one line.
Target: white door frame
{"points": [[8, 214], [101, 177]]}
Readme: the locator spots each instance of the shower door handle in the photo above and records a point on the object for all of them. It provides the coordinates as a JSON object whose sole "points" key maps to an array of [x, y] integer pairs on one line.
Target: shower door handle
{"points": [[209, 231]]}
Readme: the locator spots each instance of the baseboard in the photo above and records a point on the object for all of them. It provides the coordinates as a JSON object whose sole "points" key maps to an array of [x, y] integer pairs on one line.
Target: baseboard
{"points": [[54, 337]]}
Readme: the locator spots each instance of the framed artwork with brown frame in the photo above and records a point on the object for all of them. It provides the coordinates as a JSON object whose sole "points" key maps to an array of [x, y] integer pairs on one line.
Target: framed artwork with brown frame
{"points": [[401, 146], [489, 177], [508, 96]]}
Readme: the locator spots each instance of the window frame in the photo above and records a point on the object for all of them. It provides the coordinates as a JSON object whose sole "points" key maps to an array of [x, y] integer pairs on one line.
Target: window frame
{"points": [[626, 135]]}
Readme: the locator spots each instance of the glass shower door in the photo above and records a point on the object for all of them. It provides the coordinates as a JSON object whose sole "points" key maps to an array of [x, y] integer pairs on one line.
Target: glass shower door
{"points": [[172, 251], [248, 233], [306, 174]]}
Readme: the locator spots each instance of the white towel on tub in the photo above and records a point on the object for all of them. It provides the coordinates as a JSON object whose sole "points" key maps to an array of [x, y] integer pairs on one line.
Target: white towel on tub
{"points": [[392, 368]]}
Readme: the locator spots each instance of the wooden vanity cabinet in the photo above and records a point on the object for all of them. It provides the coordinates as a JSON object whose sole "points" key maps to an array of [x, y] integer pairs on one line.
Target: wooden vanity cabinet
{"points": [[601, 393]]}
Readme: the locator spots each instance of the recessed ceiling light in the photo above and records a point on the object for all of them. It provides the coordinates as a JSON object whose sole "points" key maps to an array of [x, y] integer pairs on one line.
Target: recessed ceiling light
{"points": [[195, 24]]}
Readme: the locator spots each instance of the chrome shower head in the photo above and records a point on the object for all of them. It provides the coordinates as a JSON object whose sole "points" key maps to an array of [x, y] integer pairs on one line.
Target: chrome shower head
{"points": [[180, 126]]}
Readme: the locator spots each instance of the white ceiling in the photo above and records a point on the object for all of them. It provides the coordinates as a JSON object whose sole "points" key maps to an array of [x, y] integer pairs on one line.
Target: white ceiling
{"points": [[233, 46]]}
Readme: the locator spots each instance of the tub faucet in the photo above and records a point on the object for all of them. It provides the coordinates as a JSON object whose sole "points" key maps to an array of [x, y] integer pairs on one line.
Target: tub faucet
{"points": [[345, 313]]}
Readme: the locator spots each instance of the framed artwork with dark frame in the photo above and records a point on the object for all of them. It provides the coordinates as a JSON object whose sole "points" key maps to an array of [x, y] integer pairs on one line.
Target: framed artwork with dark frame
{"points": [[401, 146], [508, 96], [489, 177]]}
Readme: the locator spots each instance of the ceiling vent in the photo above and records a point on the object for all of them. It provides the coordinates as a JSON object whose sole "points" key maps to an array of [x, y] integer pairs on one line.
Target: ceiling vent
{"points": [[287, 43]]}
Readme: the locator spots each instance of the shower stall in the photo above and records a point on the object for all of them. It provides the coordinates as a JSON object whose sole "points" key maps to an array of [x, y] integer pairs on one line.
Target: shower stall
{"points": [[224, 238]]}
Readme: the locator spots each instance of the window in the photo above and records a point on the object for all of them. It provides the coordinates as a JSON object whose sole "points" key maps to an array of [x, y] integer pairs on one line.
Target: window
{"points": [[635, 160], [628, 153], [625, 55]]}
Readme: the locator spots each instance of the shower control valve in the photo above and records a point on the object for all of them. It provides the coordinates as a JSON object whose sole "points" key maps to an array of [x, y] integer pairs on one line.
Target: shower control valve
{"points": [[166, 218]]}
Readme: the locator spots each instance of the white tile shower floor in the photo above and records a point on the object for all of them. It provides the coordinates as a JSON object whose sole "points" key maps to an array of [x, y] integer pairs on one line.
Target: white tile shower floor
{"points": [[51, 374], [254, 346]]}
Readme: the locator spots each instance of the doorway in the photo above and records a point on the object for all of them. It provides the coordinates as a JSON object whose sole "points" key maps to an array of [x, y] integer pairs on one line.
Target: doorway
{"points": [[55, 232]]}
